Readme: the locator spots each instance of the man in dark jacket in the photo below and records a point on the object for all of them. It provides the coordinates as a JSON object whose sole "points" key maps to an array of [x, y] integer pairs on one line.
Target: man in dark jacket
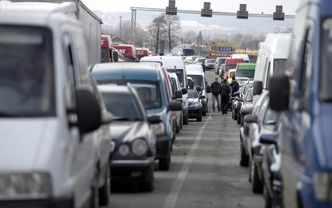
{"points": [[215, 89], [225, 90], [234, 85]]}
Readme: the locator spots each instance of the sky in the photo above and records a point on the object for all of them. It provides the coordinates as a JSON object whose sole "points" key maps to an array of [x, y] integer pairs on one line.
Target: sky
{"points": [[253, 6]]}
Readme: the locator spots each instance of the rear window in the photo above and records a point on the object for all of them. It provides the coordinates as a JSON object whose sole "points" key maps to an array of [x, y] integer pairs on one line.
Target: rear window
{"points": [[26, 72], [245, 73]]}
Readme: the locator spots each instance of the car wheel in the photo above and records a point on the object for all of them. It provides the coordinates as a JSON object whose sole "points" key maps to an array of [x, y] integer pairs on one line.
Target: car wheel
{"points": [[185, 120], [148, 184], [181, 122], [204, 112], [244, 160], [257, 184], [165, 163], [177, 127], [199, 118], [94, 198], [105, 190], [238, 120]]}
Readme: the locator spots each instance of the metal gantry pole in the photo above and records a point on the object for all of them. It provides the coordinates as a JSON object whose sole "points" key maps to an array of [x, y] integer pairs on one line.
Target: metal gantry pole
{"points": [[133, 25]]}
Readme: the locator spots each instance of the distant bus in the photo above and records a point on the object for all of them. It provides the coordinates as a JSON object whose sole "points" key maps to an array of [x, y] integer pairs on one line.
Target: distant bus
{"points": [[183, 51]]}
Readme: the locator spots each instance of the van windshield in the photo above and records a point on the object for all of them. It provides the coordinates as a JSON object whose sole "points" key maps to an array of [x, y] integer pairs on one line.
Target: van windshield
{"points": [[326, 62], [198, 80], [26, 72], [279, 66], [245, 73], [230, 66]]}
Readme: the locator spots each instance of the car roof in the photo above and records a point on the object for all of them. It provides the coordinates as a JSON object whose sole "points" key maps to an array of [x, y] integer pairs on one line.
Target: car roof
{"points": [[246, 66], [168, 61], [194, 69], [127, 71], [113, 88]]}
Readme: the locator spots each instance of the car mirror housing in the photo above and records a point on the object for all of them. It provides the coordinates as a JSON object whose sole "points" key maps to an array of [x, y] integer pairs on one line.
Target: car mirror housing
{"points": [[88, 111], [175, 106], [154, 119], [279, 93]]}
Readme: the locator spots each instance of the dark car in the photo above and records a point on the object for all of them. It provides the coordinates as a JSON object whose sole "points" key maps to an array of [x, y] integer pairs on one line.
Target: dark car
{"points": [[135, 143], [150, 82], [195, 105], [247, 105]]}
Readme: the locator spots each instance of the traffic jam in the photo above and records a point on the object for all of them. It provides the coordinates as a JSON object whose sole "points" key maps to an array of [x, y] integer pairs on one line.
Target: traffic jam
{"points": [[89, 119]]}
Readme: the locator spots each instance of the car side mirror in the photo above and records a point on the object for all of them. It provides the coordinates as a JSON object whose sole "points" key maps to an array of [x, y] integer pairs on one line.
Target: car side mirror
{"points": [[116, 56], [106, 118], [202, 97], [154, 119], [250, 118], [279, 93], [178, 94], [268, 139], [257, 87], [184, 91], [175, 106], [88, 111]]}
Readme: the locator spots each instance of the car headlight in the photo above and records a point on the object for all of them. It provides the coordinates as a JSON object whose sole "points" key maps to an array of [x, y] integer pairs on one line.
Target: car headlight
{"points": [[139, 147], [158, 129], [25, 186], [322, 185], [124, 150]]}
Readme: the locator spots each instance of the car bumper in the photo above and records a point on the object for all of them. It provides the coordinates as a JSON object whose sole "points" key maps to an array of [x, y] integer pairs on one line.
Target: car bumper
{"points": [[194, 112], [131, 170], [309, 199], [45, 203]]}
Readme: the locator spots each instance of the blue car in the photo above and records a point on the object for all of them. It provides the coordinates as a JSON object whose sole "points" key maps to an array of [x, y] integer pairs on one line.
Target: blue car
{"points": [[151, 84], [195, 109], [304, 96]]}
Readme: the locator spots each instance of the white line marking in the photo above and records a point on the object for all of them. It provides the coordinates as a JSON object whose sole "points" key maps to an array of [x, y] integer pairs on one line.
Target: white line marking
{"points": [[173, 195]]}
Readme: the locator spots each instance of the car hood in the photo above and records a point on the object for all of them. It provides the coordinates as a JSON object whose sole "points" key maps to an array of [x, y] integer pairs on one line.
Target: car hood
{"points": [[123, 131], [323, 136], [20, 142]]}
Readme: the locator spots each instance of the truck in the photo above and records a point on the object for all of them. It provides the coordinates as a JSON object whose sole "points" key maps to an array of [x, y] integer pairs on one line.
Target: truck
{"points": [[91, 23], [141, 52], [128, 51], [108, 53]]}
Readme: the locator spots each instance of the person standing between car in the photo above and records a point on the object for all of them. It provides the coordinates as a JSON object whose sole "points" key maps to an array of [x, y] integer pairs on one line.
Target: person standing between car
{"points": [[225, 90], [234, 85], [215, 89]]}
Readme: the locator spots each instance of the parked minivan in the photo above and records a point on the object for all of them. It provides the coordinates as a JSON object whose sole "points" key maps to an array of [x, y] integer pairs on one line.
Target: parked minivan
{"points": [[150, 82], [174, 64], [304, 95], [47, 152]]}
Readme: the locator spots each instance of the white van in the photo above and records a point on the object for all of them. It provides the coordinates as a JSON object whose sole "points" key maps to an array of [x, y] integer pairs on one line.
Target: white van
{"points": [[245, 57], [49, 117], [272, 58], [195, 72], [174, 64]]}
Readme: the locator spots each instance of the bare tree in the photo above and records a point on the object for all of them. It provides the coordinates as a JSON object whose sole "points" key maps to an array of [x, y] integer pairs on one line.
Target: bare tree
{"points": [[172, 30], [156, 29]]}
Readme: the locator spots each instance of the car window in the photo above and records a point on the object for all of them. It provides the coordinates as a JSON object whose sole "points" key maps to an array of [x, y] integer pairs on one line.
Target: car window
{"points": [[123, 106], [198, 80], [26, 72], [192, 93], [149, 94], [326, 61], [245, 73], [279, 66]]}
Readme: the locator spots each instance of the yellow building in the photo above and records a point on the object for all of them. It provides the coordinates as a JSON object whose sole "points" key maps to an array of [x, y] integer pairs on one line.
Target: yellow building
{"points": [[223, 46]]}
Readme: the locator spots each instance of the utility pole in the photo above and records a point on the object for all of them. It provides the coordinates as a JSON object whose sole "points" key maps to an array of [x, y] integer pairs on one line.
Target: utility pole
{"points": [[121, 27]]}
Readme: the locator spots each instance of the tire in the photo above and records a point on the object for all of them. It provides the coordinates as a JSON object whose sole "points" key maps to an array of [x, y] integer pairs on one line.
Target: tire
{"points": [[177, 128], [185, 120], [238, 120], [199, 118], [148, 184], [105, 190], [244, 159], [165, 163], [257, 184], [94, 198], [204, 113]]}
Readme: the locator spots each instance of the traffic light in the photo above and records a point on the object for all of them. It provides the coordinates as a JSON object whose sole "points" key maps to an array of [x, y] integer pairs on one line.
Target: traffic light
{"points": [[279, 14], [206, 11], [242, 13], [171, 9]]}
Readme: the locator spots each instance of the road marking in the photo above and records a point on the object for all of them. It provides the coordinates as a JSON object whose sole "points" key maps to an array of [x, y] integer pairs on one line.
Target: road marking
{"points": [[173, 195]]}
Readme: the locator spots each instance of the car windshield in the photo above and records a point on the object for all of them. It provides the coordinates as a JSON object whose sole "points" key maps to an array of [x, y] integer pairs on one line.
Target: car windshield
{"points": [[188, 52], [270, 117], [179, 73], [26, 72], [123, 106], [149, 93], [326, 62], [245, 73], [103, 55], [192, 93], [198, 80], [230, 66], [279, 65], [210, 61]]}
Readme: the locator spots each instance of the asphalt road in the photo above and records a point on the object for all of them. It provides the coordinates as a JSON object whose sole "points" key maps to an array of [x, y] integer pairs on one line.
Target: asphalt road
{"points": [[204, 173]]}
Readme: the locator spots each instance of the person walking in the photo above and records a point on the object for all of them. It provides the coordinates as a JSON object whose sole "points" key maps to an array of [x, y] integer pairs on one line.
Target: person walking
{"points": [[215, 89], [225, 90], [234, 85]]}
